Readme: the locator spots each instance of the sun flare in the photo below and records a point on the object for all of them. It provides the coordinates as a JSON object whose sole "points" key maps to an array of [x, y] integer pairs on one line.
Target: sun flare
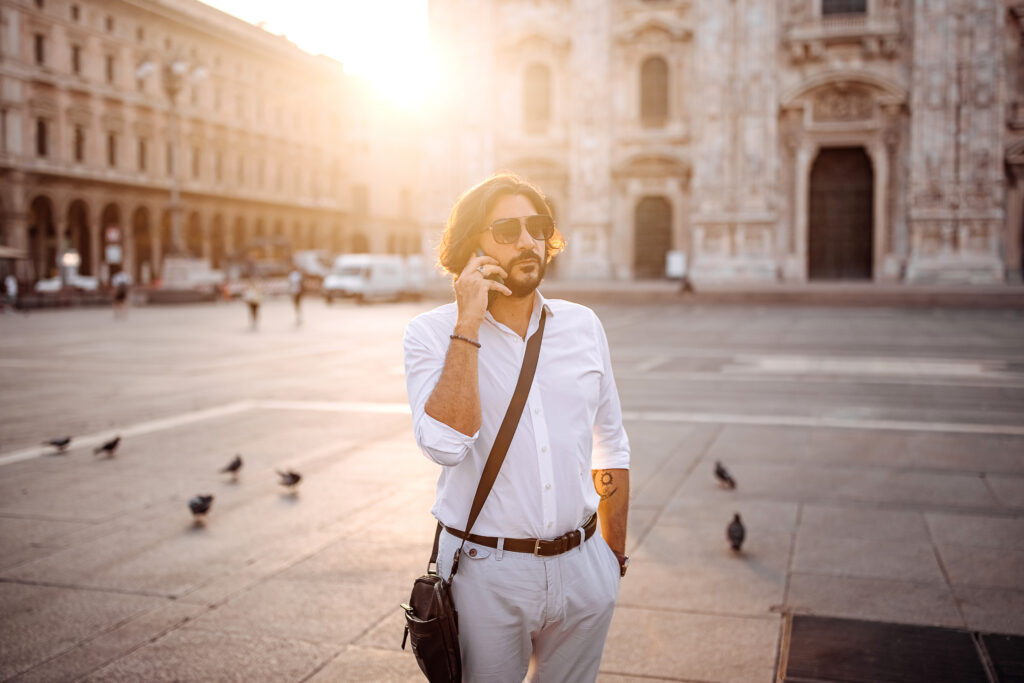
{"points": [[384, 42]]}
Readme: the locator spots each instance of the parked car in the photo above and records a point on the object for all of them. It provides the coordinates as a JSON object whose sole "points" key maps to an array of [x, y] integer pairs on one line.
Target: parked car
{"points": [[374, 276], [74, 281], [313, 263]]}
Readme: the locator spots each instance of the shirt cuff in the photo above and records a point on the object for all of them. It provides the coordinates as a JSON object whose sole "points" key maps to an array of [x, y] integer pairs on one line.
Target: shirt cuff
{"points": [[441, 443]]}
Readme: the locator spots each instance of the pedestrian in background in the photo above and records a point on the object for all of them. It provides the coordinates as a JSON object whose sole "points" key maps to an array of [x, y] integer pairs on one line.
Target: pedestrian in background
{"points": [[253, 296], [536, 586], [121, 282], [11, 290], [295, 289]]}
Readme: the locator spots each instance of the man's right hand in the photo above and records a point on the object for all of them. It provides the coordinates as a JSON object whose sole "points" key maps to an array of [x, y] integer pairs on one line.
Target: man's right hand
{"points": [[471, 291]]}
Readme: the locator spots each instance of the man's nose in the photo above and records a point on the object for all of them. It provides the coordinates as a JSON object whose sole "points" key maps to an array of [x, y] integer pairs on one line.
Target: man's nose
{"points": [[525, 240]]}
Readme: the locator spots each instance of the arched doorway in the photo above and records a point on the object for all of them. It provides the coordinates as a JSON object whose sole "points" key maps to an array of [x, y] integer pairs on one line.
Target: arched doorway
{"points": [[142, 239], [111, 251], [42, 239], [840, 225], [652, 237], [79, 236]]}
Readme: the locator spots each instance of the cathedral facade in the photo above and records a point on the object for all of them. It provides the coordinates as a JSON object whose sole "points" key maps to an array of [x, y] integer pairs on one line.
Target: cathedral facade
{"points": [[757, 140]]}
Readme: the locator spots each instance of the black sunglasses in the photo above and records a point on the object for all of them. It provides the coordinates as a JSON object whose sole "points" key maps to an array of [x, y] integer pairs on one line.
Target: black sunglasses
{"points": [[507, 230]]}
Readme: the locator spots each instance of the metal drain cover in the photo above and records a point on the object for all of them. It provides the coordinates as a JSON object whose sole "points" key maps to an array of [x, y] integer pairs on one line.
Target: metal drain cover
{"points": [[1007, 656], [829, 650]]}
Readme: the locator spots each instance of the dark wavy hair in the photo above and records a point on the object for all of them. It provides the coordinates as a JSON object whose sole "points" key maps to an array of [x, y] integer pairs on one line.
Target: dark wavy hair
{"points": [[459, 241]]}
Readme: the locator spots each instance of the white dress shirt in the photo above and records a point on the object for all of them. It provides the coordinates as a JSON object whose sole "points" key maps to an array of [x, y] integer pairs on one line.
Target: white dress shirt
{"points": [[571, 424]]}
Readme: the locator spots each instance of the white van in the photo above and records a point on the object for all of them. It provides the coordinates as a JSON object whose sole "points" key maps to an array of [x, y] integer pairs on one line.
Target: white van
{"points": [[374, 276]]}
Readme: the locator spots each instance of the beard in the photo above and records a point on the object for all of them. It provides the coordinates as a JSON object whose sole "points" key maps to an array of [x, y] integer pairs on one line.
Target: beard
{"points": [[522, 284]]}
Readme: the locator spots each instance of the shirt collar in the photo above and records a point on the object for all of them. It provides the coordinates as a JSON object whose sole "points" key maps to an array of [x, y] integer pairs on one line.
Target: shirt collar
{"points": [[539, 302]]}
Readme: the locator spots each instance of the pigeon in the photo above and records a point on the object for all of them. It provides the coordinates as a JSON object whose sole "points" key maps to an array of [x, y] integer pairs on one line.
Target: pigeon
{"points": [[736, 532], [233, 467], [110, 447], [723, 476], [289, 478], [60, 444], [200, 505]]}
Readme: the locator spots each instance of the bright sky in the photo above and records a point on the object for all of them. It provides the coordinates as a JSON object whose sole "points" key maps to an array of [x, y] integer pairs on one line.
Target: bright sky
{"points": [[384, 41]]}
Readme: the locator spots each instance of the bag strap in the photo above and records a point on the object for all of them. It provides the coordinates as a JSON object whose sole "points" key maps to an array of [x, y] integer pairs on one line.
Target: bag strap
{"points": [[504, 438]]}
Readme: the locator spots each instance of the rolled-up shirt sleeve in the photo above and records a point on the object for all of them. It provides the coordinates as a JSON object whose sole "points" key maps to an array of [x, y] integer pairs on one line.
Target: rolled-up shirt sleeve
{"points": [[611, 444], [424, 361]]}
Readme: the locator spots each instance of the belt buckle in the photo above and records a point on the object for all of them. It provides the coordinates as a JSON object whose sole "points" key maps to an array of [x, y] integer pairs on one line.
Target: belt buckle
{"points": [[536, 548]]}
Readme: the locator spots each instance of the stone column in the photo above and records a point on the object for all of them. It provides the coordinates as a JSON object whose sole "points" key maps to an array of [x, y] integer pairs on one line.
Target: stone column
{"points": [[590, 109]]}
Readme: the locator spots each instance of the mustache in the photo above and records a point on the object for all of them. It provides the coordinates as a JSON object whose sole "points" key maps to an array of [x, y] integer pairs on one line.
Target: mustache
{"points": [[525, 256]]}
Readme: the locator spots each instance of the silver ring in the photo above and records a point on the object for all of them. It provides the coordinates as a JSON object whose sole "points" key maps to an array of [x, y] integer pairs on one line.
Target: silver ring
{"points": [[480, 269]]}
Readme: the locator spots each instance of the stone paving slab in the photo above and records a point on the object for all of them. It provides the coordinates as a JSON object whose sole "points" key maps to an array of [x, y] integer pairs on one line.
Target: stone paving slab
{"points": [[40, 622], [991, 609], [363, 665], [909, 602], [694, 569], [976, 530], [1009, 491], [188, 654], [868, 558], [108, 646], [972, 565], [686, 646], [23, 539], [326, 612], [917, 527]]}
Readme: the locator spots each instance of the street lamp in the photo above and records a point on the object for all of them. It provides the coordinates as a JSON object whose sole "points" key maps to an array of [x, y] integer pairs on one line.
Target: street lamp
{"points": [[175, 72]]}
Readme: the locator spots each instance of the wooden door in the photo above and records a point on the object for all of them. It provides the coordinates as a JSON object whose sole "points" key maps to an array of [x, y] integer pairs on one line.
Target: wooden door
{"points": [[840, 225]]}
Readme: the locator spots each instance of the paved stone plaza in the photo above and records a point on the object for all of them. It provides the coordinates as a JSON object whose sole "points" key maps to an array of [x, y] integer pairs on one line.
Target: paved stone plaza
{"points": [[879, 455]]}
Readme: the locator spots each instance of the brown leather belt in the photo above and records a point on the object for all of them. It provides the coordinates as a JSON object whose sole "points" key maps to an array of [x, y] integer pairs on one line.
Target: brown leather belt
{"points": [[534, 546]]}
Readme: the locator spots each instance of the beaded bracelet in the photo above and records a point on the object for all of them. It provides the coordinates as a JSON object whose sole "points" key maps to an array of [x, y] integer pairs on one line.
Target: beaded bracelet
{"points": [[465, 339]]}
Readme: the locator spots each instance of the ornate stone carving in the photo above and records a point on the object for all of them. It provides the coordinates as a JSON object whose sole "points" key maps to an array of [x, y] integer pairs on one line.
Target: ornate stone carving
{"points": [[842, 104], [935, 88], [797, 10], [974, 236], [984, 85]]}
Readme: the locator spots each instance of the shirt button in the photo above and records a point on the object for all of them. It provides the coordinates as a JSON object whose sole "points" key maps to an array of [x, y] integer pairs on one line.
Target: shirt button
{"points": [[549, 524], [536, 411], [547, 487], [543, 449], [472, 552]]}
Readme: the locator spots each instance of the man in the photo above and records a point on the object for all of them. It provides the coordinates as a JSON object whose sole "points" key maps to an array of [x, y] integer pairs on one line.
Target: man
{"points": [[295, 289], [120, 281], [11, 287], [520, 612]]}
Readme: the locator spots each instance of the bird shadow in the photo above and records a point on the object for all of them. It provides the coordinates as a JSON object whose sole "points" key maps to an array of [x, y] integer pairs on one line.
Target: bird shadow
{"points": [[231, 482], [290, 497], [197, 526], [755, 565]]}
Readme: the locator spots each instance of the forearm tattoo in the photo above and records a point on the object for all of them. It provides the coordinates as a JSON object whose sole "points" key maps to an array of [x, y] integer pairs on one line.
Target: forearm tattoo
{"points": [[604, 482]]}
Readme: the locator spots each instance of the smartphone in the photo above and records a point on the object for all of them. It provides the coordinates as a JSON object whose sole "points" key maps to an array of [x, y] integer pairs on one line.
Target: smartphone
{"points": [[497, 278]]}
